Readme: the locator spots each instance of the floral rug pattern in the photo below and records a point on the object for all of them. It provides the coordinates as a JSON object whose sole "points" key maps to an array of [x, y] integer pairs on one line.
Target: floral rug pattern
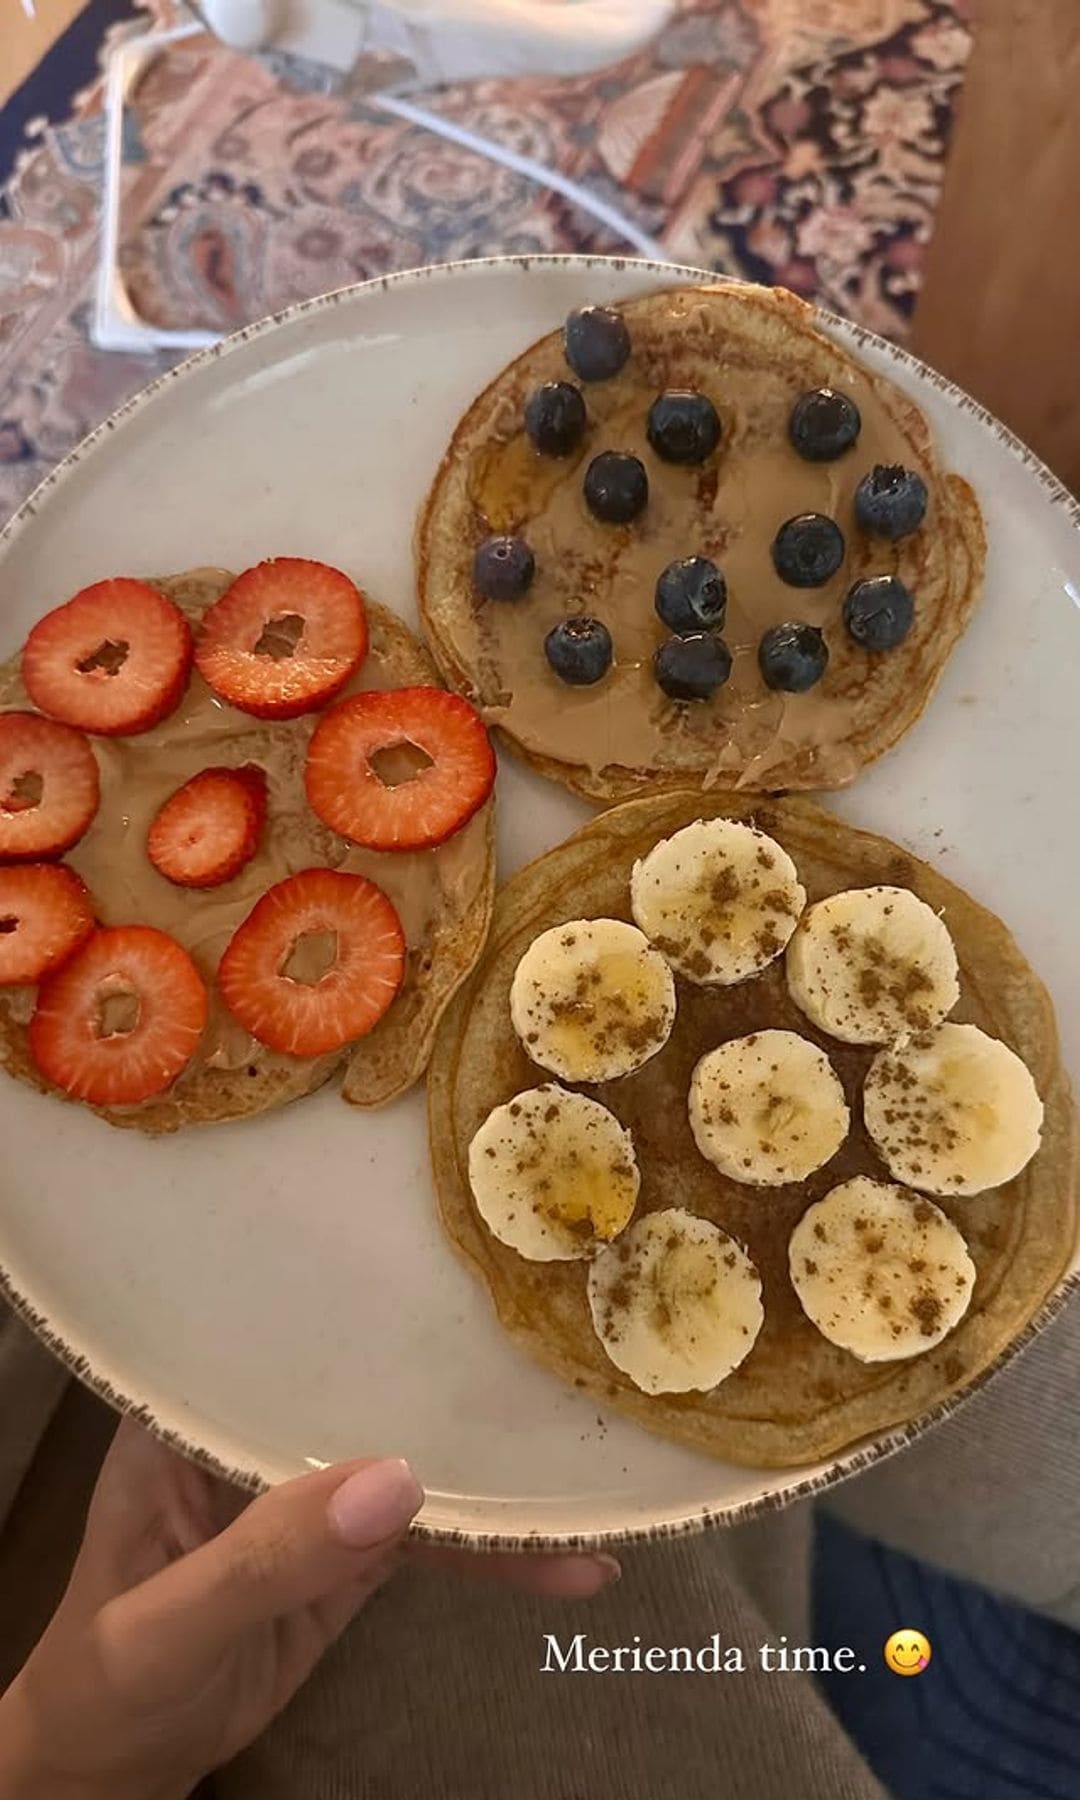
{"points": [[797, 141]]}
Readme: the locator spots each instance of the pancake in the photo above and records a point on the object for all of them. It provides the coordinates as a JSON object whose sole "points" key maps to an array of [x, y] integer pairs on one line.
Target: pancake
{"points": [[753, 351], [443, 896], [796, 1397]]}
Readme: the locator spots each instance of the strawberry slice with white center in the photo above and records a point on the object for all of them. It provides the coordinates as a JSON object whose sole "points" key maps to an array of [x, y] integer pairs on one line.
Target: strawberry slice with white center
{"points": [[348, 793], [315, 964], [284, 638], [45, 914], [121, 1019], [49, 787], [114, 660], [210, 828]]}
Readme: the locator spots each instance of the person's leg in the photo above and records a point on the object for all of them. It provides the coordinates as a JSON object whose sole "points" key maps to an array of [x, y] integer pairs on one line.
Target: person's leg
{"points": [[441, 1689]]}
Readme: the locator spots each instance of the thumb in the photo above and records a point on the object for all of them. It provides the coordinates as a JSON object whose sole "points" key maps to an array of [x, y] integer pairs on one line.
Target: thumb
{"points": [[302, 1542]]}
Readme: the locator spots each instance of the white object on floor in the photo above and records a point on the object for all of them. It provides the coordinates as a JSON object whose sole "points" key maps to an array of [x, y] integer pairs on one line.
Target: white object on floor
{"points": [[114, 322], [319, 43], [444, 40]]}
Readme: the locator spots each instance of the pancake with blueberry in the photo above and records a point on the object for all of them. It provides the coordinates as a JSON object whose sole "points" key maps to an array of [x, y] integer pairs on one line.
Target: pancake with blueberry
{"points": [[690, 540]]}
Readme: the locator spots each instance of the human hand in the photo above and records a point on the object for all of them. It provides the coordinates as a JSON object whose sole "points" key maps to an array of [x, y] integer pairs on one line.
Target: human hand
{"points": [[192, 1617]]}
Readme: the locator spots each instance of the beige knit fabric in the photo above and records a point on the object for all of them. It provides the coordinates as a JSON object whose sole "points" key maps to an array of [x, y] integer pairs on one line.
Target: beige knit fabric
{"points": [[439, 1690]]}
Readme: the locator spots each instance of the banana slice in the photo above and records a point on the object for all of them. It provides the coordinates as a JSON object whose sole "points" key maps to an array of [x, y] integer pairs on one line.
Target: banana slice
{"points": [[592, 1000], [767, 1108], [879, 1270], [675, 1302], [953, 1112], [872, 966], [553, 1174], [719, 898]]}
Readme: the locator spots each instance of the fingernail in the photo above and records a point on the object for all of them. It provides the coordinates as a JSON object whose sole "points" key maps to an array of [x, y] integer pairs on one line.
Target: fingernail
{"points": [[612, 1569], [374, 1504]]}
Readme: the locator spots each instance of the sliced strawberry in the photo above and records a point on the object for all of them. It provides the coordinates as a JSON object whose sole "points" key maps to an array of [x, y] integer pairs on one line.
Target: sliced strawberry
{"points": [[49, 787], [210, 828], [315, 964], [121, 1018], [349, 795], [114, 660], [284, 638], [45, 914]]}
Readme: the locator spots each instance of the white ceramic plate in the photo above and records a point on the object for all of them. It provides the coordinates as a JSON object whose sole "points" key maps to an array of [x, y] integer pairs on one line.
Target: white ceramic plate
{"points": [[277, 1294]]}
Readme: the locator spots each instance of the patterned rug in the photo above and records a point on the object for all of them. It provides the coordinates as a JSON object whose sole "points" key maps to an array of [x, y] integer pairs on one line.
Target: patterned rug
{"points": [[797, 141]]}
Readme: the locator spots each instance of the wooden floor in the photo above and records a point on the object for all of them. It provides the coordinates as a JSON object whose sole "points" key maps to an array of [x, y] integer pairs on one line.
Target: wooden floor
{"points": [[24, 41]]}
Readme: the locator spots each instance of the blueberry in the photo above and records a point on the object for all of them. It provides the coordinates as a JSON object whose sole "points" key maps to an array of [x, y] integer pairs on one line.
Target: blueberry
{"points": [[579, 650], [823, 424], [616, 487], [890, 501], [691, 596], [792, 657], [683, 426], [879, 612], [503, 568], [555, 418], [596, 342], [692, 668], [807, 550]]}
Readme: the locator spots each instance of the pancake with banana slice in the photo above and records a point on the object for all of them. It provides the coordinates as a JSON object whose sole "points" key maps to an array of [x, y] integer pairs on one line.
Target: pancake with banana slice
{"points": [[442, 896], [852, 1278], [695, 542]]}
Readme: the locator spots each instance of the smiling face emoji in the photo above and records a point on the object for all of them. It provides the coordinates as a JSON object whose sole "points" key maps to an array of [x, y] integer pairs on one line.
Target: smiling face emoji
{"points": [[907, 1652]]}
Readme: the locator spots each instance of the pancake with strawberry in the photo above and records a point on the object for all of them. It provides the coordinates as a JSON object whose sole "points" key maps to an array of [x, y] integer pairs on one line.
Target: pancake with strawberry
{"points": [[691, 540], [277, 841]]}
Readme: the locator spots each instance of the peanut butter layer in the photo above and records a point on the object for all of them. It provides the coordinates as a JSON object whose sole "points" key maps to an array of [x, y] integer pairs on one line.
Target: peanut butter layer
{"points": [[427, 887], [753, 353]]}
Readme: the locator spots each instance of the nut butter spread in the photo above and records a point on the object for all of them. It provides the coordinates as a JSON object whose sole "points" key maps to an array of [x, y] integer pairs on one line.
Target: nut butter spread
{"points": [[752, 354], [139, 773]]}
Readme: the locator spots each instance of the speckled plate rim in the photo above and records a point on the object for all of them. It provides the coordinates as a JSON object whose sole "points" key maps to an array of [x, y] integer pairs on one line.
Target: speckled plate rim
{"points": [[849, 1462]]}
